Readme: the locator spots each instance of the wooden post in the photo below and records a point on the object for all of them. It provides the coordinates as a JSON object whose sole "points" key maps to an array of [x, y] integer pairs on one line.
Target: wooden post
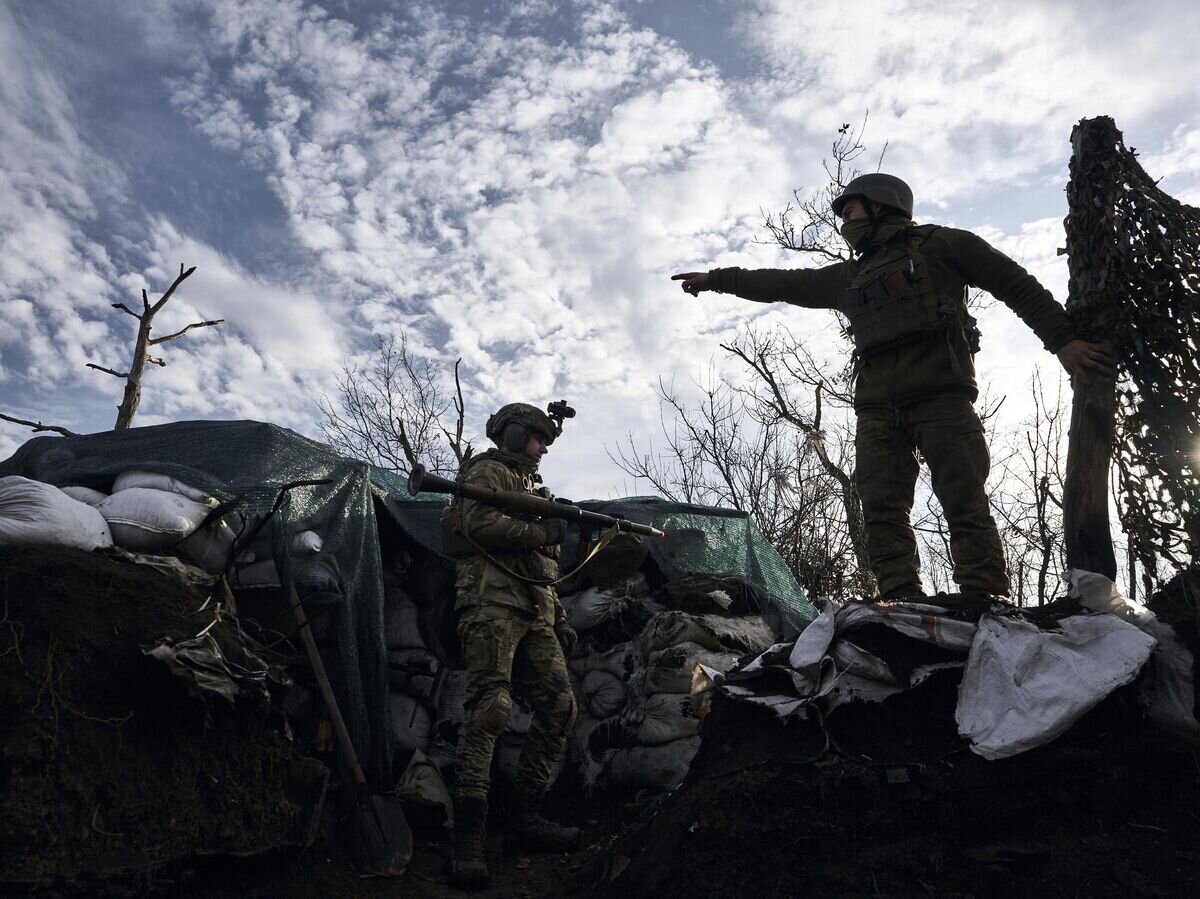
{"points": [[1091, 245]]}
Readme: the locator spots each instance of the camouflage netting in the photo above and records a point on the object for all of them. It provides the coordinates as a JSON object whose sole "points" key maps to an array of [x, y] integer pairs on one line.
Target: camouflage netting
{"points": [[700, 540], [1135, 273], [246, 464]]}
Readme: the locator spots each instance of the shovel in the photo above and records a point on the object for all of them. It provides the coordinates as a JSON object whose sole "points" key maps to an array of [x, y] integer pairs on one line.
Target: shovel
{"points": [[382, 828]]}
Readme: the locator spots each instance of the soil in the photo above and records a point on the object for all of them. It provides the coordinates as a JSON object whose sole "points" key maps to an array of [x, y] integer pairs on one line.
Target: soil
{"points": [[110, 768], [118, 780]]}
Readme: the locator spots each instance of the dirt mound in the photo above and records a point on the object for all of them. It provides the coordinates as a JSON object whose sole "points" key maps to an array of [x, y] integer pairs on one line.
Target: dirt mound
{"points": [[110, 768], [883, 800]]}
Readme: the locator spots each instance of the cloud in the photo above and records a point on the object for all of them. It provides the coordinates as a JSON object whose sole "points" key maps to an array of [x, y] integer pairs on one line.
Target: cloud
{"points": [[973, 95]]}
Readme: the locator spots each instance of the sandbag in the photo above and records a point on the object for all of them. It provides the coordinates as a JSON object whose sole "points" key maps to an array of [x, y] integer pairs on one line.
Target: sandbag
{"points": [[209, 547], [407, 671], [84, 494], [744, 635], [619, 560], [617, 661], [412, 723], [592, 607], [450, 703], [256, 575], [520, 719], [35, 513], [400, 622], [128, 480], [656, 767], [604, 694], [662, 718], [146, 519], [424, 794], [670, 670], [507, 758]]}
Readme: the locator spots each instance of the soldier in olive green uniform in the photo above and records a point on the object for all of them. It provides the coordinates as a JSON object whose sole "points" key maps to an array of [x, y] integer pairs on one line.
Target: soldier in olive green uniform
{"points": [[514, 635], [905, 296]]}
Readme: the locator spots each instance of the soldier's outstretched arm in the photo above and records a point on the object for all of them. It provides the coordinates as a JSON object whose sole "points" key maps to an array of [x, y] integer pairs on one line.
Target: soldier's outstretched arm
{"points": [[813, 288]]}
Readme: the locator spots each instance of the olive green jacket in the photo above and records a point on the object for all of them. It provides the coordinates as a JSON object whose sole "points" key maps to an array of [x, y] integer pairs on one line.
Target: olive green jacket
{"points": [[517, 544], [930, 365]]}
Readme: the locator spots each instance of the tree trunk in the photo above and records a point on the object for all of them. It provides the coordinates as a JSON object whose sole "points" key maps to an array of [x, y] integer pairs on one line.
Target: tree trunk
{"points": [[1085, 500], [1091, 247]]}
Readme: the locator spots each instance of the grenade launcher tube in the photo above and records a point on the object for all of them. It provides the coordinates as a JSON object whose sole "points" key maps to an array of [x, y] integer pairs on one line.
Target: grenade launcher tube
{"points": [[419, 480]]}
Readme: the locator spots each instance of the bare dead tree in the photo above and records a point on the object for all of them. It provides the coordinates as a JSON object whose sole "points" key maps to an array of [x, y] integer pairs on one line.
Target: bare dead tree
{"points": [[141, 355], [38, 427], [783, 366], [719, 451], [392, 411], [807, 224], [141, 348]]}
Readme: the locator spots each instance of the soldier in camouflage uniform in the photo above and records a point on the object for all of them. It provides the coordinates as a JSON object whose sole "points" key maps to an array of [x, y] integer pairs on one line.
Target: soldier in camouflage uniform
{"points": [[514, 635], [904, 294]]}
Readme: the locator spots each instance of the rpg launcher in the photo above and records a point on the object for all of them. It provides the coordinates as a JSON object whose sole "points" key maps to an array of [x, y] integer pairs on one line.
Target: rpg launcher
{"points": [[419, 480]]}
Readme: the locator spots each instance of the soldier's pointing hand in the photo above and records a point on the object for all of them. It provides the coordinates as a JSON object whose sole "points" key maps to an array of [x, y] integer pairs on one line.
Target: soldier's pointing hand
{"points": [[693, 282]]}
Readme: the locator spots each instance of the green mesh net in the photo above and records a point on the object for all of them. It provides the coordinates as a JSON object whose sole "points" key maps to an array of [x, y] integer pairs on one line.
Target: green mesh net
{"points": [[700, 540]]}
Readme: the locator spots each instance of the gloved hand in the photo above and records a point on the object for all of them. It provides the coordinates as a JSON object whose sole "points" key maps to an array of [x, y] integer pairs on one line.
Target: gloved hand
{"points": [[556, 531], [567, 637]]}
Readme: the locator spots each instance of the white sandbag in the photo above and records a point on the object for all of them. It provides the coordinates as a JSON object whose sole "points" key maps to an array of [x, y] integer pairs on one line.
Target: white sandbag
{"points": [[400, 627], [149, 480], [209, 547], [84, 494], [35, 513], [662, 718], [656, 767], [412, 723], [617, 661], [307, 542], [670, 670], [604, 694], [142, 518]]}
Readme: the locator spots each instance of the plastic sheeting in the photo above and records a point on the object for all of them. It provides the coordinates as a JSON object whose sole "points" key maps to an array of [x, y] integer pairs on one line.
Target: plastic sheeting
{"points": [[1022, 685], [246, 465]]}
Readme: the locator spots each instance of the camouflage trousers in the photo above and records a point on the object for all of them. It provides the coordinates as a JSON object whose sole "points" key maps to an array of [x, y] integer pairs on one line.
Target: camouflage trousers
{"points": [[947, 433], [505, 650]]}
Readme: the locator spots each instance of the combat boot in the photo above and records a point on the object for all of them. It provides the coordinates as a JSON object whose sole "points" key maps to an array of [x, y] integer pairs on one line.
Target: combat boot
{"points": [[468, 868], [529, 831]]}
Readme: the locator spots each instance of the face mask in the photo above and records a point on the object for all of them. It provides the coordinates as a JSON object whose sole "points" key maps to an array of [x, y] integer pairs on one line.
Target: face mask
{"points": [[855, 231]]}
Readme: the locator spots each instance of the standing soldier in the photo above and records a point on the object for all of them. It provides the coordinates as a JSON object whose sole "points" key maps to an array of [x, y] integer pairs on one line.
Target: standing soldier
{"points": [[905, 296], [514, 634]]}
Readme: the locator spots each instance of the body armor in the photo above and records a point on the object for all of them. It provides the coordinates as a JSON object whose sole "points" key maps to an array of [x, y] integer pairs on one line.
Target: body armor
{"points": [[892, 300]]}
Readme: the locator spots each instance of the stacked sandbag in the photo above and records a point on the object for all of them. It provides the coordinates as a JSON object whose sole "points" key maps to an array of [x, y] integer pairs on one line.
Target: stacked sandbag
{"points": [[33, 513], [255, 567], [651, 738], [413, 671]]}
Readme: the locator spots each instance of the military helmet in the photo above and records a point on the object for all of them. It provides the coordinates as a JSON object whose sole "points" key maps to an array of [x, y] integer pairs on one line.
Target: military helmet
{"points": [[509, 428], [879, 188]]}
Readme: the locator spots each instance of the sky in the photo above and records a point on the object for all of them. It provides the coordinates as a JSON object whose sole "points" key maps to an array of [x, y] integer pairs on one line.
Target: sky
{"points": [[513, 184]]}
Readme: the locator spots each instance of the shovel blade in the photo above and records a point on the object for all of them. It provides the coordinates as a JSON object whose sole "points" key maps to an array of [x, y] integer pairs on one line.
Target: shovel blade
{"points": [[386, 836]]}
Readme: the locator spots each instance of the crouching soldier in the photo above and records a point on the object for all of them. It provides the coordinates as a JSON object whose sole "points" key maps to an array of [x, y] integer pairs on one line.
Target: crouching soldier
{"points": [[514, 635]]}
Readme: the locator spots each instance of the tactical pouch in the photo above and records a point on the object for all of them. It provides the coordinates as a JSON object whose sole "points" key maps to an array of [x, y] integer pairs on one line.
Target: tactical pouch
{"points": [[892, 301]]}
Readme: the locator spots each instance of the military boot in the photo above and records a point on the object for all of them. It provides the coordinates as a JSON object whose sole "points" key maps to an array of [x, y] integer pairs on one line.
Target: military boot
{"points": [[468, 868], [527, 830]]}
